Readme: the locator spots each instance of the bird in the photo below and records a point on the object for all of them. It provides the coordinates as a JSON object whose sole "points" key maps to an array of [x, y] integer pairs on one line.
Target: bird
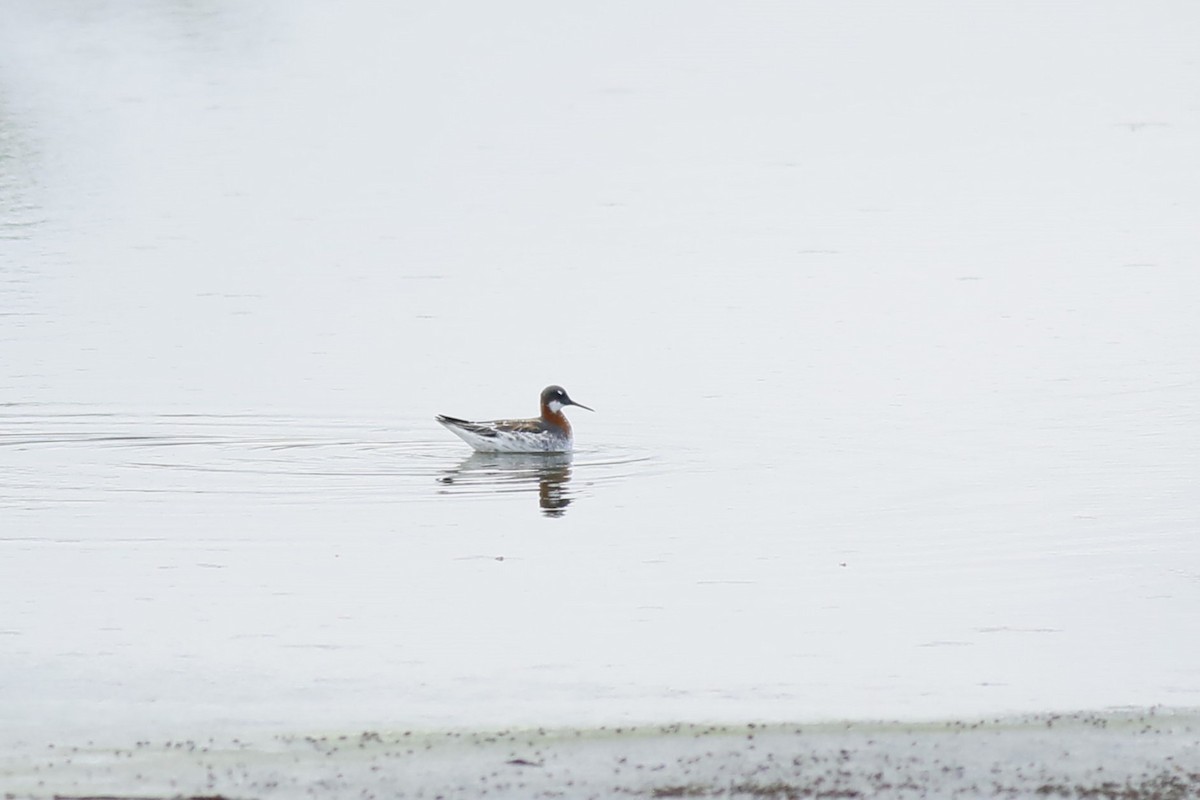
{"points": [[549, 433]]}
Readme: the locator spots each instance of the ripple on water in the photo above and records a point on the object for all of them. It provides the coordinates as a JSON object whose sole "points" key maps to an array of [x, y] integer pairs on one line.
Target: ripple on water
{"points": [[71, 456]]}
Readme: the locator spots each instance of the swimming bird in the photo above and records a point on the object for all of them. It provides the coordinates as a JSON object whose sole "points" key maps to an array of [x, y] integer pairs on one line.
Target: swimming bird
{"points": [[549, 433]]}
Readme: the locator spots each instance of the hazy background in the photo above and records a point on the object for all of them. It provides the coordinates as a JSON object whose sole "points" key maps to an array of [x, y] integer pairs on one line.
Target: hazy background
{"points": [[888, 312]]}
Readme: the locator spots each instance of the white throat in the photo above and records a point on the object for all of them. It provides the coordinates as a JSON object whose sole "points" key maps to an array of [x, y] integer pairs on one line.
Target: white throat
{"points": [[554, 406]]}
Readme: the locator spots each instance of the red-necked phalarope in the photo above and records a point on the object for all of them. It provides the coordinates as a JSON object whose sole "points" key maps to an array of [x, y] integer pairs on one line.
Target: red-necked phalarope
{"points": [[549, 433]]}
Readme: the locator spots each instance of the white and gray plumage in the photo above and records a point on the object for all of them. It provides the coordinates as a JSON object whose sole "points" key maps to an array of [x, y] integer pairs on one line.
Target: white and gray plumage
{"points": [[549, 433]]}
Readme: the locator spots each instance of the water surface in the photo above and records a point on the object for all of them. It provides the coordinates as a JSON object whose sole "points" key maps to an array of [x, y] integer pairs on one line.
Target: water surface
{"points": [[888, 315]]}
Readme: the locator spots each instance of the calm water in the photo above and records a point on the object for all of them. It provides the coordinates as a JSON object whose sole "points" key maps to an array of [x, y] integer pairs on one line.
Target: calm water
{"points": [[891, 334]]}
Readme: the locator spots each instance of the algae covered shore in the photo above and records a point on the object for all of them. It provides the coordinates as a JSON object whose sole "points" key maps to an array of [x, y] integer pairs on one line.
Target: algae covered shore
{"points": [[1131, 755]]}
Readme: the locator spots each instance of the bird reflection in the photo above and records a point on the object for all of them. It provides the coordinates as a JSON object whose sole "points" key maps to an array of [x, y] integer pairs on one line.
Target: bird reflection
{"points": [[517, 472]]}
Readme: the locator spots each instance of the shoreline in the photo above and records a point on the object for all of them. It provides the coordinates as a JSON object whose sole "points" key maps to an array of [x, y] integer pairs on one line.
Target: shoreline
{"points": [[1146, 754]]}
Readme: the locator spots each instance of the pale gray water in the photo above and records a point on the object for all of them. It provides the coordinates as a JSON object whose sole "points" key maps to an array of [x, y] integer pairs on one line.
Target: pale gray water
{"points": [[888, 315]]}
